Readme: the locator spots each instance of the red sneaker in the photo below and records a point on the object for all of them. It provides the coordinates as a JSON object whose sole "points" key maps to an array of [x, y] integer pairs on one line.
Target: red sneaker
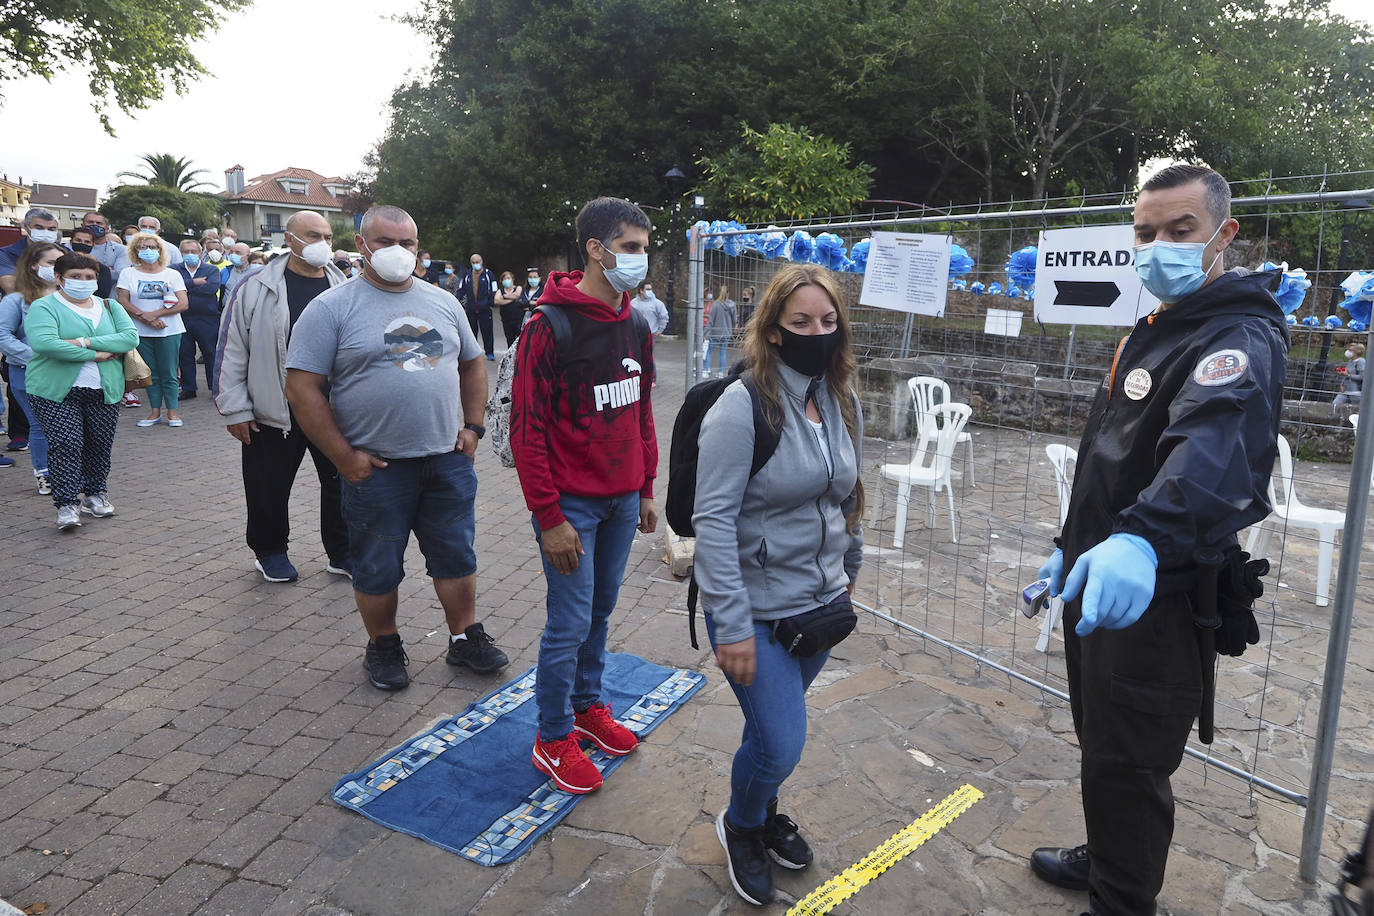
{"points": [[131, 400], [608, 734], [565, 763]]}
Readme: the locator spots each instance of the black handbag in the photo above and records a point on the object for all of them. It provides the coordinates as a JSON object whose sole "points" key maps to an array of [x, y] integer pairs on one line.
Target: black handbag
{"points": [[804, 635]]}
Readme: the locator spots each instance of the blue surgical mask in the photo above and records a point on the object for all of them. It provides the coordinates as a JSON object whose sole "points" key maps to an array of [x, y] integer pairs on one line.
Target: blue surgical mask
{"points": [[147, 255], [236, 259], [79, 290], [47, 275], [146, 231], [534, 282], [192, 260], [629, 270], [1172, 270], [448, 270], [425, 263]]}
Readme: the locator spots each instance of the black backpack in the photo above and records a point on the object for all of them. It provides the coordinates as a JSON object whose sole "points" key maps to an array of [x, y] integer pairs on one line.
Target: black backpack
{"points": [[1355, 891], [684, 452]]}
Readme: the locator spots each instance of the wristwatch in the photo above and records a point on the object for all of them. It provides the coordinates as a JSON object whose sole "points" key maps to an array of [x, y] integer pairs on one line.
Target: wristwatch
{"points": [[477, 428]]}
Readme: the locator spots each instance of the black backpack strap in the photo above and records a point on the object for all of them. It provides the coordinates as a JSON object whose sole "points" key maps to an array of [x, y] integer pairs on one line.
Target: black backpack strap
{"points": [[558, 322], [692, 608], [766, 438]]}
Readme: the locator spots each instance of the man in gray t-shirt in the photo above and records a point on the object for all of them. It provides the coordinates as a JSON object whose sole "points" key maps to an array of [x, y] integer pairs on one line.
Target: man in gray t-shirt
{"points": [[384, 375]]}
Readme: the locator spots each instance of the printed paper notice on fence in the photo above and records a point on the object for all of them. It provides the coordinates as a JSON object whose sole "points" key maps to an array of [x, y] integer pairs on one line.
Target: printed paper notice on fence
{"points": [[907, 272]]}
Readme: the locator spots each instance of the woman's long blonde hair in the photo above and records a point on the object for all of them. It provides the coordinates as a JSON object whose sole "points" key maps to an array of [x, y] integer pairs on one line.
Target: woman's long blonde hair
{"points": [[761, 356]]}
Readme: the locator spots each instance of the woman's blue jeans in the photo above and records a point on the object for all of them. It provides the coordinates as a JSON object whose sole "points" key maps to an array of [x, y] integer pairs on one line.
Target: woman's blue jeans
{"points": [[721, 348], [572, 651], [38, 442], [774, 708]]}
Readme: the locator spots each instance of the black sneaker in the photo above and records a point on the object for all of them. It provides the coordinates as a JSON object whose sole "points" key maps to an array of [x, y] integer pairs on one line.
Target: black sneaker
{"points": [[1066, 868], [386, 662], [784, 841], [750, 871], [478, 651]]}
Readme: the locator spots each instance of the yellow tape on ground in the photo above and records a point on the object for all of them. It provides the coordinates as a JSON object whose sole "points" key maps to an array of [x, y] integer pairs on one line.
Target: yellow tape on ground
{"points": [[895, 848]]}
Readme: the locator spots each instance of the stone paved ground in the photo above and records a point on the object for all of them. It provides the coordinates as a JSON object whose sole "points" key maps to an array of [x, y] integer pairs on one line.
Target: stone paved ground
{"points": [[170, 727]]}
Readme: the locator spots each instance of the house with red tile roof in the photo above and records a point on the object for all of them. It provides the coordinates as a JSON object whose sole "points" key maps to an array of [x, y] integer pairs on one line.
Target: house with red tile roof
{"points": [[259, 207]]}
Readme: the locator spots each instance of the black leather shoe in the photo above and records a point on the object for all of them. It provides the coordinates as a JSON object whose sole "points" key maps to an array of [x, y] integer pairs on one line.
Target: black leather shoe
{"points": [[784, 841], [750, 871], [1066, 868], [385, 661], [478, 651]]}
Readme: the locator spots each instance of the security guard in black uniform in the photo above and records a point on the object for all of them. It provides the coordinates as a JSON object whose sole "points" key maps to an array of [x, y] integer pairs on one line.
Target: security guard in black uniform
{"points": [[1175, 459]]}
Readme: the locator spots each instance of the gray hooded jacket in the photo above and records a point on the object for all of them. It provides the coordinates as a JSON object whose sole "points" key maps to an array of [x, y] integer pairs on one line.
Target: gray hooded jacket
{"points": [[773, 545]]}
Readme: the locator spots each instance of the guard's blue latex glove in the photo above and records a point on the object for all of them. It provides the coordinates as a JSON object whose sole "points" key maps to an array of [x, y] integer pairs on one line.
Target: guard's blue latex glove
{"points": [[1117, 579], [1054, 571]]}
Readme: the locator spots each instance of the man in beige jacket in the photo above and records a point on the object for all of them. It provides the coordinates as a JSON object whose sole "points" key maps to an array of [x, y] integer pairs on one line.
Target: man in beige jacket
{"points": [[250, 394]]}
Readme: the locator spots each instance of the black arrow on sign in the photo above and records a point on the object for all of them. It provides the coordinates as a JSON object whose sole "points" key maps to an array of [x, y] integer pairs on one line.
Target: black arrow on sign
{"points": [[1092, 293]]}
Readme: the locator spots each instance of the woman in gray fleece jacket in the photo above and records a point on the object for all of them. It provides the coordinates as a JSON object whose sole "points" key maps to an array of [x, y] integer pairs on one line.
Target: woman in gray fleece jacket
{"points": [[781, 543]]}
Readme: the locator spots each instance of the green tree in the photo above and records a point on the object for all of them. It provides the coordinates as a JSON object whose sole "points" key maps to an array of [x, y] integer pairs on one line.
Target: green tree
{"points": [[180, 212], [168, 171], [785, 173], [127, 49]]}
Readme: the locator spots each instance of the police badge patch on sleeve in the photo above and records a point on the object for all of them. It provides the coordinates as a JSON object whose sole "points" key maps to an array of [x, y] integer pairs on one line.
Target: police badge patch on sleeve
{"points": [[1221, 368]]}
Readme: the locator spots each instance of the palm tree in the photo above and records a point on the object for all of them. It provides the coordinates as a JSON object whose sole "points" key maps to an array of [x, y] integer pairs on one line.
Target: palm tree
{"points": [[168, 171]]}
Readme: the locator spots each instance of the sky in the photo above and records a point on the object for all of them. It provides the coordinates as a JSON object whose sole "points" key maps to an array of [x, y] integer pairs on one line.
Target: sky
{"points": [[287, 86]]}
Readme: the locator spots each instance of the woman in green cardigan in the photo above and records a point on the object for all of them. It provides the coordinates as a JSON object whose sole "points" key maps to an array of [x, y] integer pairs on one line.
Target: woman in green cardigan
{"points": [[75, 383]]}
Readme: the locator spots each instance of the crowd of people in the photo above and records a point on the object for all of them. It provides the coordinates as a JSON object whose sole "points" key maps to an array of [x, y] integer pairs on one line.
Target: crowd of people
{"points": [[378, 369]]}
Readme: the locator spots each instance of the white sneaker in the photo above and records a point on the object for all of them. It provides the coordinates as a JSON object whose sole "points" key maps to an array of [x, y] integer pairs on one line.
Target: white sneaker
{"points": [[97, 505], [67, 518], [44, 485]]}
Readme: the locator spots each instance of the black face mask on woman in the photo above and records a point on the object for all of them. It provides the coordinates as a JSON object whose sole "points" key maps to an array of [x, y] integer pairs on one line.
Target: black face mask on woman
{"points": [[809, 354]]}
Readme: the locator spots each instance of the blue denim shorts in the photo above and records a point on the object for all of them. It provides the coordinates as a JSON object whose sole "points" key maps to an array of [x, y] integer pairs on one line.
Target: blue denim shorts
{"points": [[432, 496]]}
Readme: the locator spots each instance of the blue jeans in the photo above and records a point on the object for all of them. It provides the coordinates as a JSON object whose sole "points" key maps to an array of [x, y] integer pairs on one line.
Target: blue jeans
{"points": [[774, 708], [572, 651], [434, 496], [720, 346], [38, 442]]}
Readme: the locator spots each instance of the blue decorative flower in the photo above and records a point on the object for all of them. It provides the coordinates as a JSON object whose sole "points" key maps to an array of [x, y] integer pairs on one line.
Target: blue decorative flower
{"points": [[1021, 266], [976, 288], [859, 255], [959, 261], [829, 251], [1359, 327], [1013, 291], [800, 246], [699, 224], [960, 283], [1292, 288], [1312, 321], [1292, 320], [994, 288], [1333, 322]]}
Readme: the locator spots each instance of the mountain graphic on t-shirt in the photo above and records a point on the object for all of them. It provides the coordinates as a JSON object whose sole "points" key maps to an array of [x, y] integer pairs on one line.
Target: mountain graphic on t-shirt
{"points": [[412, 345]]}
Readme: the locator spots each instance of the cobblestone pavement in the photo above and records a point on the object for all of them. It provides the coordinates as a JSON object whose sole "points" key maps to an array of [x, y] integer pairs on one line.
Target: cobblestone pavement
{"points": [[171, 725]]}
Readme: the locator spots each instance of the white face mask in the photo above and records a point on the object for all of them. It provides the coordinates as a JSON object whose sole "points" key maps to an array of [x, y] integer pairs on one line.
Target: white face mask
{"points": [[628, 272], [393, 264], [46, 274], [1349, 354], [43, 235], [316, 254]]}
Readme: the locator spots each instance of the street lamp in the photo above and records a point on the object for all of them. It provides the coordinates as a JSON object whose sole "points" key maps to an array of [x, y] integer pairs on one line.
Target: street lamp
{"points": [[674, 179]]}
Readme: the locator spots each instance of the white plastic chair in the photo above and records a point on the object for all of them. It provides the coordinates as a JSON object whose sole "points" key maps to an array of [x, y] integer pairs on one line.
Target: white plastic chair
{"points": [[930, 467], [1291, 513], [927, 392], [1060, 456]]}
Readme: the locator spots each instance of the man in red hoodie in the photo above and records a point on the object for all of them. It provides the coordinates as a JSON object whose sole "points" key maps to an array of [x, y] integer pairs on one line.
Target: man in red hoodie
{"points": [[582, 433]]}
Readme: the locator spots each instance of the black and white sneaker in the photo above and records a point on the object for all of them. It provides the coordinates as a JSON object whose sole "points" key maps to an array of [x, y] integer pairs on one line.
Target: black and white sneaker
{"points": [[386, 662], [750, 871], [783, 840], [478, 651]]}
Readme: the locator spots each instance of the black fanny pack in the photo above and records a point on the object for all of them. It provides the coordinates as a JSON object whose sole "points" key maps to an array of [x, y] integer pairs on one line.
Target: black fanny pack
{"points": [[804, 635]]}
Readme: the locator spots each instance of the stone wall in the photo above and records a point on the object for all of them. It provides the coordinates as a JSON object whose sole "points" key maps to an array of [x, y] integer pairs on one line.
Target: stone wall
{"points": [[1013, 394]]}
